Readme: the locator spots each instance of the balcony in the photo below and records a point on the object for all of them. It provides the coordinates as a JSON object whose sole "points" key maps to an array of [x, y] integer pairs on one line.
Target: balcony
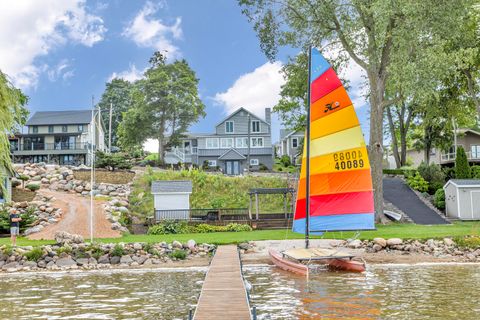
{"points": [[450, 157], [49, 148]]}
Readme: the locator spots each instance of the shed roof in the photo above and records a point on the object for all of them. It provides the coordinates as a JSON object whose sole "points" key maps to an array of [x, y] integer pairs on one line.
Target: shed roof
{"points": [[463, 183], [232, 154], [171, 186], [60, 117]]}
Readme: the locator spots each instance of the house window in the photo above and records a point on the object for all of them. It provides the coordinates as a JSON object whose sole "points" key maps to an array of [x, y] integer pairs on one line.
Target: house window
{"points": [[80, 128], [229, 126], [212, 163], [254, 162], [255, 126], [475, 152], [50, 129], [212, 143], [35, 129], [295, 142], [241, 142], [257, 142], [64, 128], [226, 143]]}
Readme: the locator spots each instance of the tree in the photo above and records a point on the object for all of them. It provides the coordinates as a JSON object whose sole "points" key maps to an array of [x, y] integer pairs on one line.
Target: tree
{"points": [[118, 95], [400, 116], [378, 35], [462, 169], [166, 103], [13, 115]]}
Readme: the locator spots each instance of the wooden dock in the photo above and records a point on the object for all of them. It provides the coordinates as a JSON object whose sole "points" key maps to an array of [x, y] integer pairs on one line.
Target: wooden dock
{"points": [[223, 293]]}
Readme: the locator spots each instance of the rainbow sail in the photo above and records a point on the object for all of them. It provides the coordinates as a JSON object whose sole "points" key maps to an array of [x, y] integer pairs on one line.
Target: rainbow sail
{"points": [[340, 193]]}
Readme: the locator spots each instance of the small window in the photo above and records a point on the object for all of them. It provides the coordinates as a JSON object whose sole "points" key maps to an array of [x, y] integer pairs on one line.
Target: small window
{"points": [[226, 143], [64, 128], [475, 152], [35, 129], [229, 126], [241, 142], [50, 129], [255, 126], [295, 142], [212, 143], [257, 142], [80, 128], [212, 163], [254, 162]]}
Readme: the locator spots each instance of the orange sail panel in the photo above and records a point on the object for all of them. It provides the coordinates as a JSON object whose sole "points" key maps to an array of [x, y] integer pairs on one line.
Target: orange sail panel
{"points": [[341, 192]]}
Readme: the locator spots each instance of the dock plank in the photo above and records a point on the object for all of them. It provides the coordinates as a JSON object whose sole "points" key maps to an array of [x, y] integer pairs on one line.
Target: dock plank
{"points": [[223, 293]]}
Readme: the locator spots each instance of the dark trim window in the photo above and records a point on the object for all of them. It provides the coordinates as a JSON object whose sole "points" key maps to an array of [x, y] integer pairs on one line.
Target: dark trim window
{"points": [[35, 129], [64, 128], [80, 128], [255, 126], [295, 142], [50, 129], [229, 126]]}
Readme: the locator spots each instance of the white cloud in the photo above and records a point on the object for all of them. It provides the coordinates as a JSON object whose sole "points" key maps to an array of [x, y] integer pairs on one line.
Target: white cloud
{"points": [[254, 91], [61, 70], [146, 31], [131, 75], [30, 29]]}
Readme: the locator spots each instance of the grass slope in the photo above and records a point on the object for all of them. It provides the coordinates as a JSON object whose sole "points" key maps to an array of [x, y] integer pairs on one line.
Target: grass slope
{"points": [[404, 231]]}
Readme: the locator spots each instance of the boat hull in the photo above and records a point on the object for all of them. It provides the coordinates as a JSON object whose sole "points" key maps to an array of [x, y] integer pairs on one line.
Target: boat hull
{"points": [[346, 265], [287, 265]]}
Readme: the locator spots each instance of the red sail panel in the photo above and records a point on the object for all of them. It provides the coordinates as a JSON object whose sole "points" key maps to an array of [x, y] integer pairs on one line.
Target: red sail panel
{"points": [[324, 84]]}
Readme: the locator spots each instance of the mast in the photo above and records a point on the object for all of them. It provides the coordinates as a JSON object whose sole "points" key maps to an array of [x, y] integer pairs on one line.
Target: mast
{"points": [[307, 180]]}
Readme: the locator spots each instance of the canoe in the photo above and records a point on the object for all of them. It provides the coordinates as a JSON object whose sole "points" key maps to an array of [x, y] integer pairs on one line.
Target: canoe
{"points": [[286, 264], [392, 215], [346, 265]]}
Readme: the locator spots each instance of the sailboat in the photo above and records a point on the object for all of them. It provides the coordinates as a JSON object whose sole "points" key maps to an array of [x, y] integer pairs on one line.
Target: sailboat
{"points": [[335, 190]]}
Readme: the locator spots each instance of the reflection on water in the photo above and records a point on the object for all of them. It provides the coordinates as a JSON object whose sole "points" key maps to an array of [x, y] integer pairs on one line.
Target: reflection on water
{"points": [[383, 292], [100, 295]]}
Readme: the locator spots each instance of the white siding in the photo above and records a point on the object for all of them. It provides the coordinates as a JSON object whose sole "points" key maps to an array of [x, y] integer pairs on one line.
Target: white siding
{"points": [[171, 201]]}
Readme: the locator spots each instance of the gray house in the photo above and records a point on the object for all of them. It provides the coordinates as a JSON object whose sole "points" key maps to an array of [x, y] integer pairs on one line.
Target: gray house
{"points": [[290, 144], [241, 139], [58, 137]]}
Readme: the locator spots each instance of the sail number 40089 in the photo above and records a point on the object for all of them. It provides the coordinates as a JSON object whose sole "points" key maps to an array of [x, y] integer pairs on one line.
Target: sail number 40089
{"points": [[348, 160]]}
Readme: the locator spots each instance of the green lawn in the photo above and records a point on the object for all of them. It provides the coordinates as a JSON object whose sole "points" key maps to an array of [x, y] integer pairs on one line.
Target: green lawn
{"points": [[405, 231]]}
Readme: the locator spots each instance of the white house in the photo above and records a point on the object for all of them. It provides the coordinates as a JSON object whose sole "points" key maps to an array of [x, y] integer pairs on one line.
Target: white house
{"points": [[462, 199], [172, 199]]}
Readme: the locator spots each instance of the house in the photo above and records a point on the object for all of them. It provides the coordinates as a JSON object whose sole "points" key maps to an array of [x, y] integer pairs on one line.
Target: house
{"points": [[240, 141], [58, 137], [5, 180], [290, 144], [171, 199], [467, 138], [462, 199]]}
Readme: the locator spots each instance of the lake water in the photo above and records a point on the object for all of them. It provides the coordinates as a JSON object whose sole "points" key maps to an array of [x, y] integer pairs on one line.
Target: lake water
{"points": [[383, 292]]}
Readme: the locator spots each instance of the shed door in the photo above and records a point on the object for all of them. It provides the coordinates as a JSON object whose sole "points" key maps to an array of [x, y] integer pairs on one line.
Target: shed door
{"points": [[475, 196]]}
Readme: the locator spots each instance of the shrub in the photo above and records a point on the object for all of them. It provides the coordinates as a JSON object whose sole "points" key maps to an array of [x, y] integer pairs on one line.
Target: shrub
{"points": [[285, 161], [433, 174], [65, 249], [237, 227], [449, 173], [169, 227], [125, 219], [111, 161], [475, 171], [24, 178], [118, 250], [33, 186], [28, 218], [34, 255], [95, 250], [179, 254], [206, 228], [439, 199], [462, 169], [8, 250], [471, 242], [416, 182], [262, 167]]}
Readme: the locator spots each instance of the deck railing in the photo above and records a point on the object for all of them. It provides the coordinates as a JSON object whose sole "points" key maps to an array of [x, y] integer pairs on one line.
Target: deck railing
{"points": [[452, 155]]}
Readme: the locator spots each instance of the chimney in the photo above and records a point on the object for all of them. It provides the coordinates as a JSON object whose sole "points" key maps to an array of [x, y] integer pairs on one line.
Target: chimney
{"points": [[268, 115]]}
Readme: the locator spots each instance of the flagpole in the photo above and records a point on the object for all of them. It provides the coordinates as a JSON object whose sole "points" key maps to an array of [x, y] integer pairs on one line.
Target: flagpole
{"points": [[307, 169]]}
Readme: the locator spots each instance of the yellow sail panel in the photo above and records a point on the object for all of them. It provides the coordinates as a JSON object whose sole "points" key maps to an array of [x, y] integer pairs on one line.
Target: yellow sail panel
{"points": [[343, 140], [337, 121], [345, 160]]}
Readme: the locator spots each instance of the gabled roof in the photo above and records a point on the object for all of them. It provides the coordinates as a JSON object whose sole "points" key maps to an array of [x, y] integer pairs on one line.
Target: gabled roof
{"points": [[465, 130], [171, 186], [60, 117], [237, 111], [232, 154], [284, 133], [463, 183]]}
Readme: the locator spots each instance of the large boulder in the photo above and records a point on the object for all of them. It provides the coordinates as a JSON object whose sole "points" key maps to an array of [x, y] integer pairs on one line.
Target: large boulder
{"points": [[394, 242], [65, 262], [380, 241], [63, 237]]}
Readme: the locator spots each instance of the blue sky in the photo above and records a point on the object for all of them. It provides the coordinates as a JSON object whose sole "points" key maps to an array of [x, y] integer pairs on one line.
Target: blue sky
{"points": [[61, 52]]}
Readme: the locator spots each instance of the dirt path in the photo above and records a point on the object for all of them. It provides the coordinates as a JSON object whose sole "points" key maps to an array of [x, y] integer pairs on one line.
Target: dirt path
{"points": [[76, 218]]}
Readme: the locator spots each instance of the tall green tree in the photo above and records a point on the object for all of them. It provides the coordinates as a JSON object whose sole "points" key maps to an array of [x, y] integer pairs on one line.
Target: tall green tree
{"points": [[166, 103], [12, 116], [118, 96], [462, 168], [378, 35]]}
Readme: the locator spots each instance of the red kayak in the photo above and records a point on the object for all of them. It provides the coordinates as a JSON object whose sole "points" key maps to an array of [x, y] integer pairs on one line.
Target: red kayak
{"points": [[287, 265]]}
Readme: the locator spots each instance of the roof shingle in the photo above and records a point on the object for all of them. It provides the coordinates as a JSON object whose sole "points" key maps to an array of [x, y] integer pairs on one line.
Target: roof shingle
{"points": [[60, 117], [172, 186]]}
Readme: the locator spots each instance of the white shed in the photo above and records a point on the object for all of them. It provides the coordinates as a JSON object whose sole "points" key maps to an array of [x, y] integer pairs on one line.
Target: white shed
{"points": [[172, 199], [462, 199]]}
